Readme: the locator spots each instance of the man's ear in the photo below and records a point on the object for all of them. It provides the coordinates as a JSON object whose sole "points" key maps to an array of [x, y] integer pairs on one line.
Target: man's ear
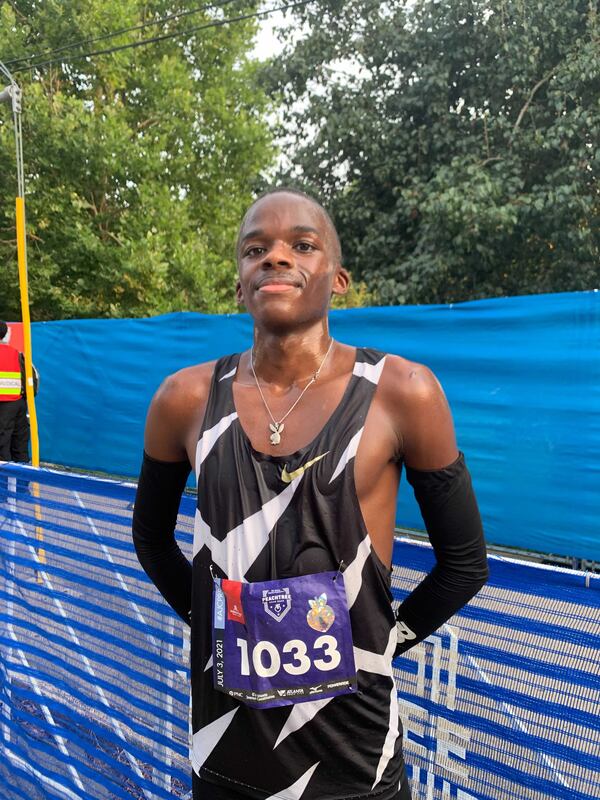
{"points": [[341, 281], [239, 295]]}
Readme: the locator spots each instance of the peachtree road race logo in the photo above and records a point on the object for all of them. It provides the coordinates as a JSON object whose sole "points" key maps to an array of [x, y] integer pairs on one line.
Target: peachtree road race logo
{"points": [[277, 602]]}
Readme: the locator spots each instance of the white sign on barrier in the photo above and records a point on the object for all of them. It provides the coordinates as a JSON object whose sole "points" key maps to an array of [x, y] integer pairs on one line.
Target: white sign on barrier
{"points": [[450, 740]]}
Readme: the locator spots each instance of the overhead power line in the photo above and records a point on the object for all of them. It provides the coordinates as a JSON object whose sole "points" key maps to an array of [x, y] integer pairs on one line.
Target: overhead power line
{"points": [[153, 40], [112, 34]]}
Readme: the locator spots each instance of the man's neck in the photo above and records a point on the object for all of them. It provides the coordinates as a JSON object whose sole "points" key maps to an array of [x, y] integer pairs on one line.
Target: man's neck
{"points": [[283, 360]]}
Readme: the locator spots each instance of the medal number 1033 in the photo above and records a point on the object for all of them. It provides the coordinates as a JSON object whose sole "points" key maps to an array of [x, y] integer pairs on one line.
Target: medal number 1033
{"points": [[267, 662]]}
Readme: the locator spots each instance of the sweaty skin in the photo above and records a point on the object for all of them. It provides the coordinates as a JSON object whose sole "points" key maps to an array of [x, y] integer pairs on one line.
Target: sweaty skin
{"points": [[288, 270]]}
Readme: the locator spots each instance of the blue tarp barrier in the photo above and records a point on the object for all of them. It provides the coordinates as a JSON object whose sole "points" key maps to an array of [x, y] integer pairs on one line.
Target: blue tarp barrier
{"points": [[501, 703], [522, 375]]}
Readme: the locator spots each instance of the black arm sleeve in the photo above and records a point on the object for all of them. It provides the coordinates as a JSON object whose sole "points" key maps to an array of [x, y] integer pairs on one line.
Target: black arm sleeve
{"points": [[451, 516], [159, 491]]}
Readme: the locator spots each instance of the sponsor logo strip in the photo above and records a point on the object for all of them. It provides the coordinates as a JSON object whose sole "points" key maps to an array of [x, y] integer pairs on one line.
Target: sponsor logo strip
{"points": [[311, 692]]}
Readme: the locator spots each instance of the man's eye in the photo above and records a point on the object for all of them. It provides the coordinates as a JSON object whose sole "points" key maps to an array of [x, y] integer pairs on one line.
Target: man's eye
{"points": [[305, 247], [254, 251]]}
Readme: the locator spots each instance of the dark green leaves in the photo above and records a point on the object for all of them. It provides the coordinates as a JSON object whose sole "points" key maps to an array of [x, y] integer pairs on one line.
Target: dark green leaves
{"points": [[456, 144], [139, 164]]}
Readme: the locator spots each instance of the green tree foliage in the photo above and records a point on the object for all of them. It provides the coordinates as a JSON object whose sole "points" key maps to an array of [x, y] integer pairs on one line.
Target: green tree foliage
{"points": [[139, 164], [456, 143]]}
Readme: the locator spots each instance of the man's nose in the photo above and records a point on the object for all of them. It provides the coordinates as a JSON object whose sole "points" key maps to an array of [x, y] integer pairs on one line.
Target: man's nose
{"points": [[278, 255]]}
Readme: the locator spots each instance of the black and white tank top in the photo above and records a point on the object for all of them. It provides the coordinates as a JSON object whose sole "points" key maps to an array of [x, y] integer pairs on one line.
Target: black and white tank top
{"points": [[253, 526]]}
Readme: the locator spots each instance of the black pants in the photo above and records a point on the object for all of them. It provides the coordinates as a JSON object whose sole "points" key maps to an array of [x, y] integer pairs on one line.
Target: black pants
{"points": [[202, 790], [14, 430], [14, 440]]}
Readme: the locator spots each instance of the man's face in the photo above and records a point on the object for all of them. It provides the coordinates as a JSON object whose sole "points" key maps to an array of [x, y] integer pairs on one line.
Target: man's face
{"points": [[287, 261]]}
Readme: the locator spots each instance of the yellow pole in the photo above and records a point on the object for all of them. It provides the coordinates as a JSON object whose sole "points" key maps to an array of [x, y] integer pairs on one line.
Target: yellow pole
{"points": [[22, 260], [13, 94], [29, 393]]}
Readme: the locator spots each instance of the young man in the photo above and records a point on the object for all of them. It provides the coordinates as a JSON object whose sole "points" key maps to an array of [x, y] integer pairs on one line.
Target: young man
{"points": [[298, 446]]}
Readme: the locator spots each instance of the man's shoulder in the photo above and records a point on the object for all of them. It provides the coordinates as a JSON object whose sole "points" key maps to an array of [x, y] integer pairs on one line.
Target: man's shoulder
{"points": [[176, 412], [408, 382], [187, 385]]}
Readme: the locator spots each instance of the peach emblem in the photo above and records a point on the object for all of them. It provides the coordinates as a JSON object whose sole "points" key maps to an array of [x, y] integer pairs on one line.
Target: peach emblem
{"points": [[321, 616]]}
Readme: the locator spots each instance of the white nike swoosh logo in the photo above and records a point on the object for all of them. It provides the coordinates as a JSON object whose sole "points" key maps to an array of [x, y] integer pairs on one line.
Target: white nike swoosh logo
{"points": [[288, 477]]}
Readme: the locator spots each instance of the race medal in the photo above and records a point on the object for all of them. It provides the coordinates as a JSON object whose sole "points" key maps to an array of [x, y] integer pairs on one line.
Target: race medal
{"points": [[284, 641]]}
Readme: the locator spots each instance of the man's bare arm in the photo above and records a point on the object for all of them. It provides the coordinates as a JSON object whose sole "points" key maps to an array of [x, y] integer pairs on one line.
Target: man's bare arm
{"points": [[423, 419]]}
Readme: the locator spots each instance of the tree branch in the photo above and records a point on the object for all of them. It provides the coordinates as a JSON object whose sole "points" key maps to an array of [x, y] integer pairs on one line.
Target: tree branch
{"points": [[110, 235], [532, 94], [30, 237], [489, 160], [146, 123], [486, 136], [16, 10]]}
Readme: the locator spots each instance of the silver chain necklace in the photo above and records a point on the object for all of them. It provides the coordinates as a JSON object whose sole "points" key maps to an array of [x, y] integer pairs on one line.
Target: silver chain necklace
{"points": [[275, 427]]}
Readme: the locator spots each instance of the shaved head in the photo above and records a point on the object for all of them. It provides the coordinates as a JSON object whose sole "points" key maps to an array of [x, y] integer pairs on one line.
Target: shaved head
{"points": [[335, 247]]}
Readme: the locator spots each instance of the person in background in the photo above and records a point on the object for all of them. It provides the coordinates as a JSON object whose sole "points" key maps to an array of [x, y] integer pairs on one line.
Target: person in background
{"points": [[14, 422], [14, 425]]}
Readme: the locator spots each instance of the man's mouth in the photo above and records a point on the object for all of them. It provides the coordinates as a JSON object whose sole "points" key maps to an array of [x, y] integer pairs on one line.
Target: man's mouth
{"points": [[276, 286]]}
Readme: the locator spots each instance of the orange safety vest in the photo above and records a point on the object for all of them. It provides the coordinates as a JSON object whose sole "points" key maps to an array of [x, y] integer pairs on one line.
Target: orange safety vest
{"points": [[10, 373]]}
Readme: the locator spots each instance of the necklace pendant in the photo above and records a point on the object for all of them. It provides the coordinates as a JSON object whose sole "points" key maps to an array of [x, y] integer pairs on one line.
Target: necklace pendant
{"points": [[277, 428]]}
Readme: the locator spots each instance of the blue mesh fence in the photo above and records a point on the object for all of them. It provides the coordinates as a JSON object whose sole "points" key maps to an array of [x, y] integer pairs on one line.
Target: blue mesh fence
{"points": [[94, 687], [500, 703], [503, 702]]}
